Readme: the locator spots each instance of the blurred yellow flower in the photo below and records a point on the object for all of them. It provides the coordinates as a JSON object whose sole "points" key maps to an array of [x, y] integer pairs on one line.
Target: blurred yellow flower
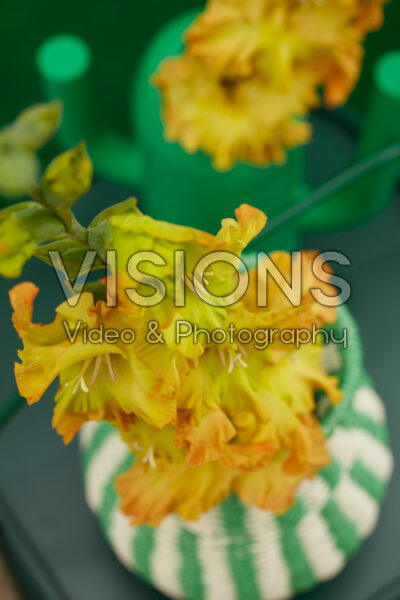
{"points": [[243, 121], [241, 38], [272, 39], [112, 381], [251, 68]]}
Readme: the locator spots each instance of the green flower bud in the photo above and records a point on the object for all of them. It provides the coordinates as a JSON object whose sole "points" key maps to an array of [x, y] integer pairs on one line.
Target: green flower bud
{"points": [[67, 178], [36, 125], [19, 167]]}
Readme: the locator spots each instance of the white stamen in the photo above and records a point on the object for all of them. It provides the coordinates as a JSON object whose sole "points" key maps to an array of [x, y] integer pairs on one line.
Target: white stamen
{"points": [[241, 361], [235, 361], [80, 374], [84, 387], [76, 386], [96, 370], [149, 458], [110, 368], [222, 357]]}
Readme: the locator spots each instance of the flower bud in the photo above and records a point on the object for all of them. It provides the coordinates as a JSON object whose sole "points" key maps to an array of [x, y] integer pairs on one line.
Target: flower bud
{"points": [[67, 178]]}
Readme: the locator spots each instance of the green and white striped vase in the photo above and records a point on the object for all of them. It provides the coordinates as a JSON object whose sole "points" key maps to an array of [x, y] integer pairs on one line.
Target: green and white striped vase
{"points": [[237, 551]]}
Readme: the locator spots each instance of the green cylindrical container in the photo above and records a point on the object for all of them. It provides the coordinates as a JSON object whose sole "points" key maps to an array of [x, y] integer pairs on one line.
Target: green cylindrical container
{"points": [[383, 128], [364, 199], [64, 63]]}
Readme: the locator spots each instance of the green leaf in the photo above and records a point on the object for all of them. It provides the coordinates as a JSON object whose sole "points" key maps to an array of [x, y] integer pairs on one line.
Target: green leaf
{"points": [[22, 227], [99, 238], [42, 225], [98, 290], [128, 205], [99, 231], [72, 254]]}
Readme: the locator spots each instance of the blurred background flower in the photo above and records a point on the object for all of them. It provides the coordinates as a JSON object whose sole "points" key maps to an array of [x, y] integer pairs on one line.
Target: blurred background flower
{"points": [[252, 68]]}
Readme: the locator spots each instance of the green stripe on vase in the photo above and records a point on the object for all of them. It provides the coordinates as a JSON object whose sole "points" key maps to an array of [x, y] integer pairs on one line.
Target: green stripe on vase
{"points": [[343, 531], [301, 572], [143, 547], [239, 551], [110, 497], [190, 575], [377, 430], [368, 481], [331, 474], [102, 433]]}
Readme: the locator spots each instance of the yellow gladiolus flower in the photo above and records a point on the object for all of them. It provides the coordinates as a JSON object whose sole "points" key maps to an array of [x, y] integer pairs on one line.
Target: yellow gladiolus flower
{"points": [[148, 495], [251, 68], [132, 232], [110, 380], [161, 481], [274, 39], [246, 414], [214, 417], [241, 38], [245, 419], [247, 121]]}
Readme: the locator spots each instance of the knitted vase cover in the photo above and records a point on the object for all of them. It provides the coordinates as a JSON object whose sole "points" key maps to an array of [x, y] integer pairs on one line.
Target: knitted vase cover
{"points": [[237, 551]]}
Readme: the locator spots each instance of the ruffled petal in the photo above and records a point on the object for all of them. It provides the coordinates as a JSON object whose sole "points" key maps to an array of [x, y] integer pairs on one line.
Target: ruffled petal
{"points": [[149, 494]]}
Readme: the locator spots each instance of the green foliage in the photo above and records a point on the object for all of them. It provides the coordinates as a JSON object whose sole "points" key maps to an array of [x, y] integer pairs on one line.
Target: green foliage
{"points": [[41, 224], [99, 233], [22, 228], [46, 223], [72, 254]]}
